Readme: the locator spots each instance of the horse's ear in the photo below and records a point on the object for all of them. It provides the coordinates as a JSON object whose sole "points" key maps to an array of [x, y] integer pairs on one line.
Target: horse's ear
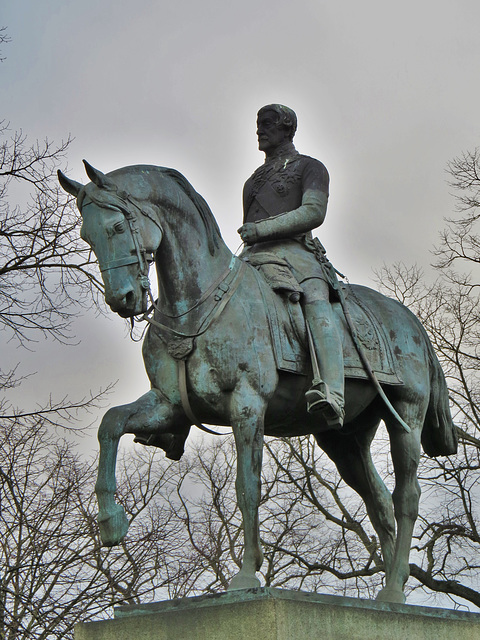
{"points": [[70, 186], [97, 177]]}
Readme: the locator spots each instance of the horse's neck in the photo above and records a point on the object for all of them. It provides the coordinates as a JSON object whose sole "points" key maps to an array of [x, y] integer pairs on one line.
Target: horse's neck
{"points": [[185, 267]]}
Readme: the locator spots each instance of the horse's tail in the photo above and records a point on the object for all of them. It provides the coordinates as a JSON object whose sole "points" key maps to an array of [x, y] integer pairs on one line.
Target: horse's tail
{"points": [[439, 435]]}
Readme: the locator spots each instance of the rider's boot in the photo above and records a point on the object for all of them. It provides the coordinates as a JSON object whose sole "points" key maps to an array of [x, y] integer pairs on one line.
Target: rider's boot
{"points": [[326, 395]]}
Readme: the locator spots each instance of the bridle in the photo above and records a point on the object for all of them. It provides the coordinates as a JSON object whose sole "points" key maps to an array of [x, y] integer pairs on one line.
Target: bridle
{"points": [[142, 257]]}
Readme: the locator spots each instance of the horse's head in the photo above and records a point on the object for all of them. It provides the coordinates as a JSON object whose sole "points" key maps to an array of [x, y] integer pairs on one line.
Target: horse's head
{"points": [[124, 234]]}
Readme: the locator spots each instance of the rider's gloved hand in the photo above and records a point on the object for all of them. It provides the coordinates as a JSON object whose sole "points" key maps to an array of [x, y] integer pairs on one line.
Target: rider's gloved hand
{"points": [[248, 233]]}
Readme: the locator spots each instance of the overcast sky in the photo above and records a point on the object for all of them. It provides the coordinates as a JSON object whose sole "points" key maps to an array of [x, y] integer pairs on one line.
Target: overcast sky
{"points": [[386, 93]]}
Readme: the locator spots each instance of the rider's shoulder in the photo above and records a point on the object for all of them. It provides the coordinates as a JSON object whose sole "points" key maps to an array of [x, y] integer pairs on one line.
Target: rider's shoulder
{"points": [[308, 160], [313, 167]]}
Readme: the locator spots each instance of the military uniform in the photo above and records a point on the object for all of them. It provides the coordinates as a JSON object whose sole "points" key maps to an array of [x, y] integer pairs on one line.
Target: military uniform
{"points": [[283, 201], [287, 198]]}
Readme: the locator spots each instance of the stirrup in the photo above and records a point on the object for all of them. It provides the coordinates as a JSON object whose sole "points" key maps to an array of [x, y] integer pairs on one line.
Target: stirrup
{"points": [[320, 400]]}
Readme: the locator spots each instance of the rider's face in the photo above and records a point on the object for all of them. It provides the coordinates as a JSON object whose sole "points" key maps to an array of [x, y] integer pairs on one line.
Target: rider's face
{"points": [[270, 134]]}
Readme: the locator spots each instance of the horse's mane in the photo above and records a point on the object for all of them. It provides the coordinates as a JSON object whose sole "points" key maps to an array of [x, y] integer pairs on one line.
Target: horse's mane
{"points": [[211, 226], [110, 191]]}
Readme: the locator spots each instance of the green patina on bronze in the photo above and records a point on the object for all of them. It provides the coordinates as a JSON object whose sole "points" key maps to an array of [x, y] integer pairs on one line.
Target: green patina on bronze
{"points": [[210, 337]]}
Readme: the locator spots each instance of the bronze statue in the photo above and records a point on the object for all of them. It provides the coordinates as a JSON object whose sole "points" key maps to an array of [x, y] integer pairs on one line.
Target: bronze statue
{"points": [[283, 201], [225, 348]]}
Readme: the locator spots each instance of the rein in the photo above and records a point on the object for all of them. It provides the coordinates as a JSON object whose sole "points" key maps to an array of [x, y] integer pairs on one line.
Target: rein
{"points": [[225, 286], [181, 344]]}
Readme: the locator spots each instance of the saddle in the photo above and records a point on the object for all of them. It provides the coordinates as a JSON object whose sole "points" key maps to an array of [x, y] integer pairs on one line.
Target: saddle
{"points": [[281, 294]]}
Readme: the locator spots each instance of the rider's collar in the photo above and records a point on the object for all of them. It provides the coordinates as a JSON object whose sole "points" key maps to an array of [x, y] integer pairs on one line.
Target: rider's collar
{"points": [[286, 151]]}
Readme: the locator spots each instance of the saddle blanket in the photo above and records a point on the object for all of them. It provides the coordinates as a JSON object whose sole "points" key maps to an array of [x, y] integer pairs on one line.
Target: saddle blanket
{"points": [[287, 327]]}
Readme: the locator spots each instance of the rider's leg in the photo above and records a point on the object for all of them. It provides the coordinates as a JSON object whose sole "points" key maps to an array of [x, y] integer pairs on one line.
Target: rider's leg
{"points": [[326, 395]]}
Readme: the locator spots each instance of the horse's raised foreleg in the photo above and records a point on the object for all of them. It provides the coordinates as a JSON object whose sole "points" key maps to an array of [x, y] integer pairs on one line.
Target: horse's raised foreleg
{"points": [[247, 413], [112, 520], [147, 415], [405, 448]]}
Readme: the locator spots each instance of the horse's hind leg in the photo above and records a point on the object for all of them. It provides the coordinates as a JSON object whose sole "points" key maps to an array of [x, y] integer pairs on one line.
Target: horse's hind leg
{"points": [[405, 449], [145, 415], [351, 455]]}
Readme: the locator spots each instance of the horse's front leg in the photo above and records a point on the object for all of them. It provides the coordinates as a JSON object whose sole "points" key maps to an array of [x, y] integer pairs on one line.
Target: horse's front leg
{"points": [[147, 415], [247, 414]]}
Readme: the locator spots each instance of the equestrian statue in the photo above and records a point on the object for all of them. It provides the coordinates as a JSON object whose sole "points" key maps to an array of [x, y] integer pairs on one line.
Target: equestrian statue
{"points": [[269, 342]]}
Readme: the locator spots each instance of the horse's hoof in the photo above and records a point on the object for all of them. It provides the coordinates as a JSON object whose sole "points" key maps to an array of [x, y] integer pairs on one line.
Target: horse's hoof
{"points": [[241, 581], [394, 596], [113, 527]]}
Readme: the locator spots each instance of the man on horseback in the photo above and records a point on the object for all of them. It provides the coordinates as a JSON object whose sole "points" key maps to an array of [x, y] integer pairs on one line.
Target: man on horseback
{"points": [[283, 201]]}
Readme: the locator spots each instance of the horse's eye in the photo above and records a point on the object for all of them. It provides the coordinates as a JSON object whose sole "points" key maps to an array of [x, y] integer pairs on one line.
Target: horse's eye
{"points": [[119, 227]]}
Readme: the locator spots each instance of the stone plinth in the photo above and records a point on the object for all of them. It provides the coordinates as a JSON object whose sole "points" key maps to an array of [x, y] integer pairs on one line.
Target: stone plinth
{"points": [[275, 614]]}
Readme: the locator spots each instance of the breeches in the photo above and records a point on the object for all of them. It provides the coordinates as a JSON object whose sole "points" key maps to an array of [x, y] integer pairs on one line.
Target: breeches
{"points": [[303, 264]]}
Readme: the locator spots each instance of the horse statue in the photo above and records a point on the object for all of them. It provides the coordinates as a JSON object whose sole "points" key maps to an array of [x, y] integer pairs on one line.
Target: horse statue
{"points": [[210, 354]]}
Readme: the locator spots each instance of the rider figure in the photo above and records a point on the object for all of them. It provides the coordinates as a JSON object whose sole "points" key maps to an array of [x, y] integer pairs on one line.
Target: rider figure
{"points": [[283, 201]]}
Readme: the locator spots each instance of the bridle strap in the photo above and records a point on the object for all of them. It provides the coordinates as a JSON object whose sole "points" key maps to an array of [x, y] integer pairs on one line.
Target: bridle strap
{"points": [[120, 262], [141, 257], [137, 241], [220, 303], [215, 285]]}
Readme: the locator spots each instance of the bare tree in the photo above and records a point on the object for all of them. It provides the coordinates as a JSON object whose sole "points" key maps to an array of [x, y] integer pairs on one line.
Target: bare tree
{"points": [[314, 532], [448, 536], [460, 240], [43, 264], [53, 570], [3, 40]]}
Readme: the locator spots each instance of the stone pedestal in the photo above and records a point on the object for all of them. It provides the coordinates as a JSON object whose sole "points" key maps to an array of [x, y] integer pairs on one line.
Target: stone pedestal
{"points": [[275, 614]]}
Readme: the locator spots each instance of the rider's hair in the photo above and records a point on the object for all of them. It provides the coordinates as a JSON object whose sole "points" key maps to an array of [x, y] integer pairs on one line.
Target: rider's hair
{"points": [[286, 117]]}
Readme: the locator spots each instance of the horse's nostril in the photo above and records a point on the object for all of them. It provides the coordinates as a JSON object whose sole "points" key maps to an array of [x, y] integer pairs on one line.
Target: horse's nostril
{"points": [[130, 300]]}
